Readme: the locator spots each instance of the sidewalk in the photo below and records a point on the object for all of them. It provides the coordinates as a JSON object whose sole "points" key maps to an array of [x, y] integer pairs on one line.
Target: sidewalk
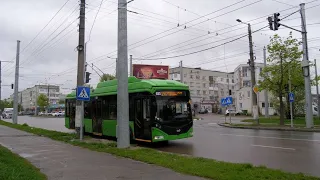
{"points": [[61, 161]]}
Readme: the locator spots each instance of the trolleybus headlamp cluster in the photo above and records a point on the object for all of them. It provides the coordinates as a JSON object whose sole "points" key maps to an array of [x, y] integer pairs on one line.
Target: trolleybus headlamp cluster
{"points": [[158, 137]]}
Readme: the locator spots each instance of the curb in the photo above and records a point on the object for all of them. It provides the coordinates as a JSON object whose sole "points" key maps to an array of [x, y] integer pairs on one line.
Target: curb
{"points": [[269, 128]]}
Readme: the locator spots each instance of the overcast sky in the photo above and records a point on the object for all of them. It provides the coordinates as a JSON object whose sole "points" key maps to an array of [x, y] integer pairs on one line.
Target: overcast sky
{"points": [[51, 57]]}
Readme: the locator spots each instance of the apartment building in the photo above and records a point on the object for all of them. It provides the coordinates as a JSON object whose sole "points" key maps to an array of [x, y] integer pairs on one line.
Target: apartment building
{"points": [[27, 98], [206, 87], [243, 88]]}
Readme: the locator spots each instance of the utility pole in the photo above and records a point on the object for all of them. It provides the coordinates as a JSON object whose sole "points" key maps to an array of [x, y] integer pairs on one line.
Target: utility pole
{"points": [[306, 69], [16, 83], [80, 71], [0, 80], [266, 100], [123, 137], [318, 99], [255, 112], [181, 72], [131, 69]]}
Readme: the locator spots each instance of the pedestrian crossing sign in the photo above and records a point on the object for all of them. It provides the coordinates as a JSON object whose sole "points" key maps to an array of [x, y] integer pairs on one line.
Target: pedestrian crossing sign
{"points": [[291, 97], [83, 93]]}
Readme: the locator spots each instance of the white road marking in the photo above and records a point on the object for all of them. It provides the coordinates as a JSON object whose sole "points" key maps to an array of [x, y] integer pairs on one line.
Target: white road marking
{"points": [[273, 147], [266, 137]]}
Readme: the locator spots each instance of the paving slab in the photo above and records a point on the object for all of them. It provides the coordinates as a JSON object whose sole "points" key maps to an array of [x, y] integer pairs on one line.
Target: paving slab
{"points": [[61, 161]]}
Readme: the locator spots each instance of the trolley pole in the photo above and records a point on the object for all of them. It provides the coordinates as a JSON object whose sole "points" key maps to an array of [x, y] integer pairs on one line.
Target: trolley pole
{"points": [[306, 69], [80, 71], [16, 83], [123, 137], [131, 70]]}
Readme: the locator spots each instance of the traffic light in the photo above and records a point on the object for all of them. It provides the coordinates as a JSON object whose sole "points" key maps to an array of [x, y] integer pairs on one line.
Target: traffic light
{"points": [[276, 21], [270, 23], [230, 92], [11, 86], [88, 77]]}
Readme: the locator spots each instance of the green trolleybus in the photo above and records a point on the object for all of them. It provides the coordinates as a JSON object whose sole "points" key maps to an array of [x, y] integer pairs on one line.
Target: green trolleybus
{"points": [[159, 110]]}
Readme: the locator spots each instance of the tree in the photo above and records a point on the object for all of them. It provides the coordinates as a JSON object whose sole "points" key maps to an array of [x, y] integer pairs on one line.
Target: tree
{"points": [[61, 101], [107, 77], [284, 55], [42, 101]]}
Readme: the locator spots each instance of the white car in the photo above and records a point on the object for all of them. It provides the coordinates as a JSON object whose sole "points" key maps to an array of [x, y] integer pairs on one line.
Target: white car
{"points": [[58, 114]]}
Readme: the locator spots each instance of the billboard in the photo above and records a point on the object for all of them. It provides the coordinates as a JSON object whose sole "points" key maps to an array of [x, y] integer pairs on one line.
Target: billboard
{"points": [[143, 71]]}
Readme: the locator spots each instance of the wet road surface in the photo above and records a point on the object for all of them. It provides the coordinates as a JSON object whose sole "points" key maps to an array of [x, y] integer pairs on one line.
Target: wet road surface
{"points": [[53, 123], [288, 151]]}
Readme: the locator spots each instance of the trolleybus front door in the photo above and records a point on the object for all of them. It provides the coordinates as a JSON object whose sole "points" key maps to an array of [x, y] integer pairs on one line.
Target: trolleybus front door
{"points": [[142, 118]]}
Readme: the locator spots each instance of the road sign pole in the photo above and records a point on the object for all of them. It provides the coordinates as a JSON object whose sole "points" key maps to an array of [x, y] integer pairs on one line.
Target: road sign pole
{"points": [[291, 114]]}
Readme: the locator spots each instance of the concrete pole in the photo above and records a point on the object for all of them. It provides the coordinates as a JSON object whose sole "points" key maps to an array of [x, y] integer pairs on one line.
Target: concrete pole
{"points": [[306, 69], [0, 81], [266, 100], [80, 71], [291, 111], [131, 70], [36, 100], [255, 112], [181, 72], [123, 137], [318, 99], [16, 83]]}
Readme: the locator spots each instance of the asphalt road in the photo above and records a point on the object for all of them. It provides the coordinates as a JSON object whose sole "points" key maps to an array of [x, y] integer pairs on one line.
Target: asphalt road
{"points": [[289, 151]]}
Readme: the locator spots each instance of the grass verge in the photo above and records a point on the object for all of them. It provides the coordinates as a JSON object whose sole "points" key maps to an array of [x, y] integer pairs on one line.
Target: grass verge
{"points": [[14, 167], [276, 120], [202, 167]]}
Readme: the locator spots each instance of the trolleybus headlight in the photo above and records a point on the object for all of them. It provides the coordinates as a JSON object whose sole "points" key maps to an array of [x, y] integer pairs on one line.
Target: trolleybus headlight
{"points": [[158, 137]]}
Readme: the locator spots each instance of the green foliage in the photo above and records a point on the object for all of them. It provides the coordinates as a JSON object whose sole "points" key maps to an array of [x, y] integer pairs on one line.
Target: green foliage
{"points": [[61, 101], [6, 104], [42, 101], [14, 167], [284, 58], [208, 168], [106, 77]]}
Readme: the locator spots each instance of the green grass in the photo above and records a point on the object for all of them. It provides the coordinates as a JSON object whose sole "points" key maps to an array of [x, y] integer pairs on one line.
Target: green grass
{"points": [[14, 167], [207, 168], [276, 120]]}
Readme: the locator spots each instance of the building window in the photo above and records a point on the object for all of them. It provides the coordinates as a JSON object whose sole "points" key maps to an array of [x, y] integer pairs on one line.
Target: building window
{"points": [[198, 92], [232, 80], [211, 92], [248, 94], [175, 75], [246, 83], [232, 87], [203, 78], [270, 105], [221, 79], [204, 92], [227, 80], [222, 93], [216, 93], [197, 77], [240, 105], [191, 76], [191, 83], [204, 85], [184, 75], [263, 105]]}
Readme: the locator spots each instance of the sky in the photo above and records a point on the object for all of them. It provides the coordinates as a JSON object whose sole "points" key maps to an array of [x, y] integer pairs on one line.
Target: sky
{"points": [[156, 29]]}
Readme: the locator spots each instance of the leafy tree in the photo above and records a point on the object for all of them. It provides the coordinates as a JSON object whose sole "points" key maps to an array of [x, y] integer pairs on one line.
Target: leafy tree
{"points": [[106, 77], [5, 104], [42, 101], [20, 108], [284, 56]]}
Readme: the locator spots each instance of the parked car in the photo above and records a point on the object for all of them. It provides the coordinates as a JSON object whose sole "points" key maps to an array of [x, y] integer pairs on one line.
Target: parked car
{"points": [[58, 114], [203, 111]]}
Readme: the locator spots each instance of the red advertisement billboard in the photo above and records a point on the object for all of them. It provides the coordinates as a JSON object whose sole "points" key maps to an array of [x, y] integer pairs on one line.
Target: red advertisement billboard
{"points": [[143, 71]]}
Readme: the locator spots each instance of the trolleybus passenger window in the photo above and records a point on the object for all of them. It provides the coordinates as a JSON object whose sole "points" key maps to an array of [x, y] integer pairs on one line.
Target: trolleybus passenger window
{"points": [[87, 110], [104, 109]]}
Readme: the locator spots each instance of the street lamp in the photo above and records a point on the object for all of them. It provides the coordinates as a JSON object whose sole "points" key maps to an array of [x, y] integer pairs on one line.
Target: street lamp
{"points": [[255, 111]]}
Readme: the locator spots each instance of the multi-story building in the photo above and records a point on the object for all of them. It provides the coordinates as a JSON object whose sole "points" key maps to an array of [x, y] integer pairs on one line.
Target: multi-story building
{"points": [[243, 88], [28, 97], [206, 87]]}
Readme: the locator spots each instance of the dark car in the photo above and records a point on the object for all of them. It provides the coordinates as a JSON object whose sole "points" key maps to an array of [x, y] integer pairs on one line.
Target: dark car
{"points": [[203, 111]]}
